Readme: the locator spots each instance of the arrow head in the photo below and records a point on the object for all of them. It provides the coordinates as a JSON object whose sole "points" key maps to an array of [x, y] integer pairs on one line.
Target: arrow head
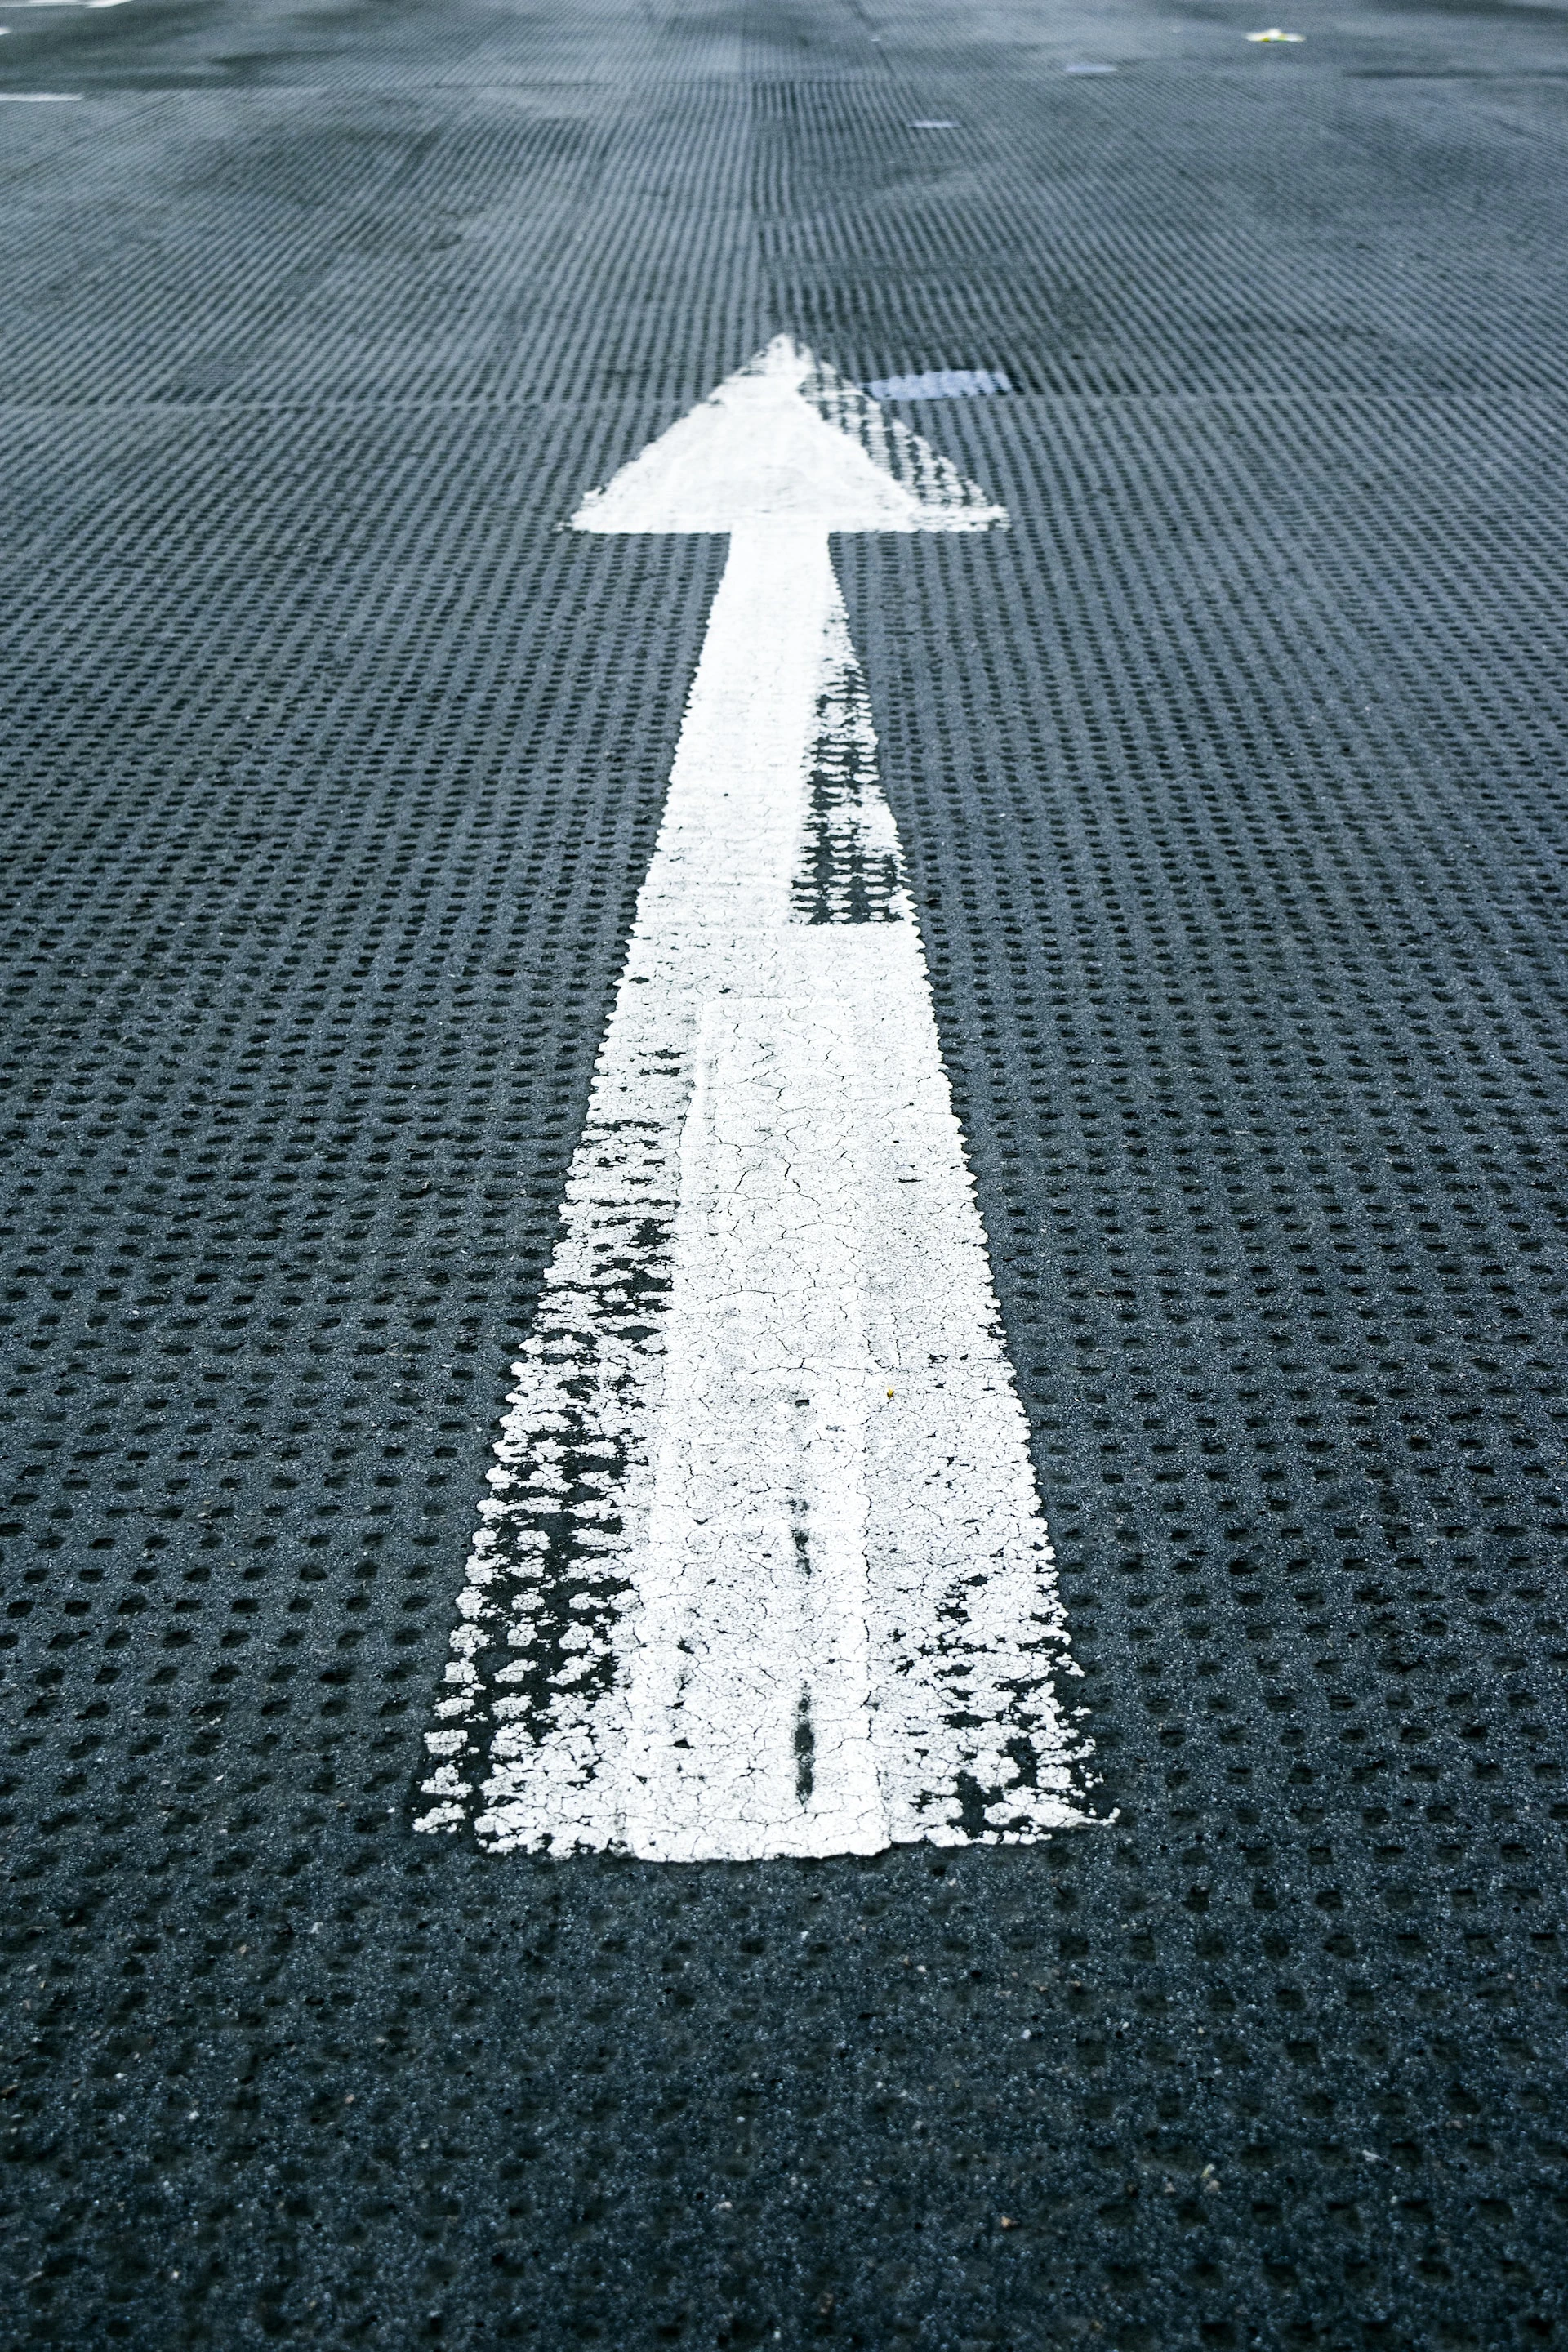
{"points": [[786, 441]]}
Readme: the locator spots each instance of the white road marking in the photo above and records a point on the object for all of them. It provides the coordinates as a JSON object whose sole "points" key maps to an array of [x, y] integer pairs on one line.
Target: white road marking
{"points": [[940, 383], [40, 96], [764, 1571]]}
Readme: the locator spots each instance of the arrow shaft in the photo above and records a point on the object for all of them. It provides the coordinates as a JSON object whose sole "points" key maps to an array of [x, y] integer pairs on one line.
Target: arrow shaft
{"points": [[765, 1571], [749, 1670]]}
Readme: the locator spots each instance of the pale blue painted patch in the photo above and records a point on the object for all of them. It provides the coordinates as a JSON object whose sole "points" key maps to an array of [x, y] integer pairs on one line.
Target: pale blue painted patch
{"points": [[940, 383]]}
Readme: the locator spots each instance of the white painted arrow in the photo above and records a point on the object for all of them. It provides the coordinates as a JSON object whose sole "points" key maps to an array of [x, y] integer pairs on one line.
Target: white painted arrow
{"points": [[764, 1571]]}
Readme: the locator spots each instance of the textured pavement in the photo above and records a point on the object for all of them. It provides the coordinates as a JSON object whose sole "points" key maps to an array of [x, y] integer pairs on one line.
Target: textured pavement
{"points": [[1231, 783]]}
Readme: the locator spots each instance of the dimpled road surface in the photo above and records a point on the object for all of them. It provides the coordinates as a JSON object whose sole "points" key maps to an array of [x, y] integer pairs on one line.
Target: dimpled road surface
{"points": [[785, 1423]]}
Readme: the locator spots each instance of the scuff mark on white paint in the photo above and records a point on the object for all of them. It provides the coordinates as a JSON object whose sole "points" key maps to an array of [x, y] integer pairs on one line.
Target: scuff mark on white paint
{"points": [[763, 1571]]}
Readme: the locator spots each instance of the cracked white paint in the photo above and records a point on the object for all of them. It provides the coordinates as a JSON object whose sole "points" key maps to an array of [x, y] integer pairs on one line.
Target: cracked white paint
{"points": [[763, 1571]]}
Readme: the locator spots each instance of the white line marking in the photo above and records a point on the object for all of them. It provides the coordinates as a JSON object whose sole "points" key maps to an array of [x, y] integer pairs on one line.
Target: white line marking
{"points": [[764, 1570], [40, 96]]}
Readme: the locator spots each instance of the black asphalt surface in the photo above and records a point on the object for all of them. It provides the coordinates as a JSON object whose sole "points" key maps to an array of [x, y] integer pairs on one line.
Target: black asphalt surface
{"points": [[1232, 783]]}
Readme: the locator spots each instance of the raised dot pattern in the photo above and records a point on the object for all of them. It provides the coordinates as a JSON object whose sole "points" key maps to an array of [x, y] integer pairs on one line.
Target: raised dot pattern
{"points": [[1230, 782]]}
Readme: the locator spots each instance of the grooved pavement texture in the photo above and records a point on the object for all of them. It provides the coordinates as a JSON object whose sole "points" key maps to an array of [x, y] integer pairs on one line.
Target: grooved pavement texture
{"points": [[1231, 786]]}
